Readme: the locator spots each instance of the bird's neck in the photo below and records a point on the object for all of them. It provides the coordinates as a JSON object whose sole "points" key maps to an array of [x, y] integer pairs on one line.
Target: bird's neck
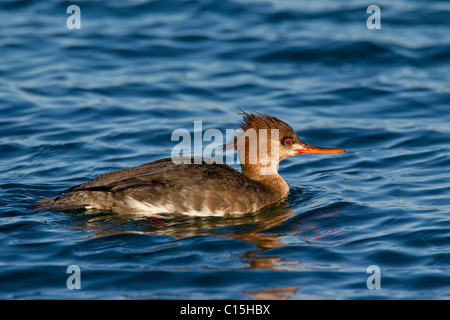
{"points": [[268, 177]]}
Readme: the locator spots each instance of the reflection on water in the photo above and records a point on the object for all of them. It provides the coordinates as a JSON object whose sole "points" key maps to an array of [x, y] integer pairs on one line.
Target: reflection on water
{"points": [[254, 228], [284, 293]]}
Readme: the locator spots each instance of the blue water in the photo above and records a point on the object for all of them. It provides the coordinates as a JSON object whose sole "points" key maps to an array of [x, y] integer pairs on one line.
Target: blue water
{"points": [[78, 103]]}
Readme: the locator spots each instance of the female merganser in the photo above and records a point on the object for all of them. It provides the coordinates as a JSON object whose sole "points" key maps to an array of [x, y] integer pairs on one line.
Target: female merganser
{"points": [[195, 187]]}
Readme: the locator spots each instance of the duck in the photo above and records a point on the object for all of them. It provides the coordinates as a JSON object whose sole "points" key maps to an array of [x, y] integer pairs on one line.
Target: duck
{"points": [[196, 186]]}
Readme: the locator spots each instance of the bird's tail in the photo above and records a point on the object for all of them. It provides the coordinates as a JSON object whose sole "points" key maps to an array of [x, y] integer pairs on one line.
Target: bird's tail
{"points": [[45, 204]]}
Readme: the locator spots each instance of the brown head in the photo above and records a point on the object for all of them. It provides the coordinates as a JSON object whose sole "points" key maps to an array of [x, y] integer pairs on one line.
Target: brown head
{"points": [[266, 140]]}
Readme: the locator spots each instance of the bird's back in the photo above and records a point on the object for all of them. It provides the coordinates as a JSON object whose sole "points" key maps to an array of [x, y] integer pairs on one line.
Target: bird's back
{"points": [[163, 186]]}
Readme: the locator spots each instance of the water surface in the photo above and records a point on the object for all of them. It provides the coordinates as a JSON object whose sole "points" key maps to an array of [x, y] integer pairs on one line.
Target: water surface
{"points": [[78, 103]]}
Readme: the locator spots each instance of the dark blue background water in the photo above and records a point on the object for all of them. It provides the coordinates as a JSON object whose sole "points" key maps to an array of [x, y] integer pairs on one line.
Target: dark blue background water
{"points": [[78, 103]]}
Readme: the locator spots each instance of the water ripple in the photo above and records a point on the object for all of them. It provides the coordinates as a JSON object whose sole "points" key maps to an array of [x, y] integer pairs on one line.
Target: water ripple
{"points": [[79, 103]]}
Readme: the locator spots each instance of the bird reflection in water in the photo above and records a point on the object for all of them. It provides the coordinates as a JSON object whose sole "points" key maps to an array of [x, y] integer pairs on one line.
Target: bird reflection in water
{"points": [[272, 227]]}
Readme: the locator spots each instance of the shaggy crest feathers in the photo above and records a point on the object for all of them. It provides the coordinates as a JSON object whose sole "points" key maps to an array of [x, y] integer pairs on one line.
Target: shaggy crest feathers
{"points": [[262, 121], [258, 121]]}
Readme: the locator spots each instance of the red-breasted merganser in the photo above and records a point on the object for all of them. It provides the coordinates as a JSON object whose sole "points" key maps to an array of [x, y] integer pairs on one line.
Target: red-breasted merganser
{"points": [[200, 188]]}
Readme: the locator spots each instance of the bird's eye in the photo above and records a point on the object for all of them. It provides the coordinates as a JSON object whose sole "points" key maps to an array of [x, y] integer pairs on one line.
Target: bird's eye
{"points": [[287, 141]]}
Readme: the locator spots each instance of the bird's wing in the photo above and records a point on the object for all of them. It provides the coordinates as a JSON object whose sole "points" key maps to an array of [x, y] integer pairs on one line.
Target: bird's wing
{"points": [[186, 186]]}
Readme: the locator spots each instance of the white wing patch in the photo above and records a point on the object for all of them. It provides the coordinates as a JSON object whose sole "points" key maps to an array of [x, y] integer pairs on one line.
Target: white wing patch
{"points": [[146, 208]]}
